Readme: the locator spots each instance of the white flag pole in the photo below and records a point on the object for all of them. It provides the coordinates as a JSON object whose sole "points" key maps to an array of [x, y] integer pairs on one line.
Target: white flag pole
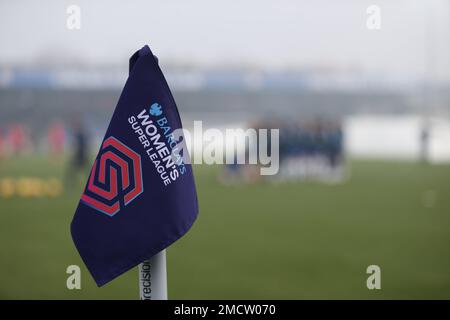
{"points": [[153, 278]]}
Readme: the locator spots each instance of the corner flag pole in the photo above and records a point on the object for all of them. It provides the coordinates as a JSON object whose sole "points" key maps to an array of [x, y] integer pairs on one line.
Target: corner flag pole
{"points": [[153, 278]]}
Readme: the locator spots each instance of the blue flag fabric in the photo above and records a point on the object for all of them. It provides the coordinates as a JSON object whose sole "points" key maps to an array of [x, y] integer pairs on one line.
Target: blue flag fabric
{"points": [[140, 196]]}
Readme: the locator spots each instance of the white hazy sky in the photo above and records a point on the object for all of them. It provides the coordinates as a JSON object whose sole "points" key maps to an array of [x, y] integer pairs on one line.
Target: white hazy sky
{"points": [[268, 34]]}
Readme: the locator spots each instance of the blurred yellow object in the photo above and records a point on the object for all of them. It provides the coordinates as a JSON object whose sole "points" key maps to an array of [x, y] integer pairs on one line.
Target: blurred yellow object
{"points": [[7, 187], [53, 187], [30, 187]]}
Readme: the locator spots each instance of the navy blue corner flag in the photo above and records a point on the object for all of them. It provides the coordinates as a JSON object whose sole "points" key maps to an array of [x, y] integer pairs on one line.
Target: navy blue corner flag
{"points": [[140, 196]]}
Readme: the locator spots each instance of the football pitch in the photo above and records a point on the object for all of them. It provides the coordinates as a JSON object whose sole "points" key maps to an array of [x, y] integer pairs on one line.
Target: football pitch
{"points": [[262, 241]]}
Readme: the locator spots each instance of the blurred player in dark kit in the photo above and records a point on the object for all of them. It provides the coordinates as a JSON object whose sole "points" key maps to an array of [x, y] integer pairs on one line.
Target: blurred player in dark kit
{"points": [[79, 153]]}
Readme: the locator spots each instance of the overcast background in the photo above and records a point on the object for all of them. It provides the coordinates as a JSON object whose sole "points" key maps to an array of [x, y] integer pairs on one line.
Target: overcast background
{"points": [[413, 41]]}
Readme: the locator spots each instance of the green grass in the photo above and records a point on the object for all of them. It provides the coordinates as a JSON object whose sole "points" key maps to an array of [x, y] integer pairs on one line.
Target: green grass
{"points": [[286, 241]]}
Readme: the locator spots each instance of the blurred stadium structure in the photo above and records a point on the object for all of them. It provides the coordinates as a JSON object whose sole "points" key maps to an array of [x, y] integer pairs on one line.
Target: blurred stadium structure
{"points": [[332, 113], [32, 101]]}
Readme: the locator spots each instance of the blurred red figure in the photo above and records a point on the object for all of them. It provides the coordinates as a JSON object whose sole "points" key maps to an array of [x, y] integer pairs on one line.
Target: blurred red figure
{"points": [[1, 145], [56, 138], [16, 138]]}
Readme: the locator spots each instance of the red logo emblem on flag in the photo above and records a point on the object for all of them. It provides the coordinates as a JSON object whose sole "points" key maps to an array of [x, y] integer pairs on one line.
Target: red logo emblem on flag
{"points": [[115, 179]]}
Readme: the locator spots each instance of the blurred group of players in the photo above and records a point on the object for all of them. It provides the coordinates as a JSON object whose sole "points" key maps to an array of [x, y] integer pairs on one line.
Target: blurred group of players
{"points": [[309, 150], [63, 142]]}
